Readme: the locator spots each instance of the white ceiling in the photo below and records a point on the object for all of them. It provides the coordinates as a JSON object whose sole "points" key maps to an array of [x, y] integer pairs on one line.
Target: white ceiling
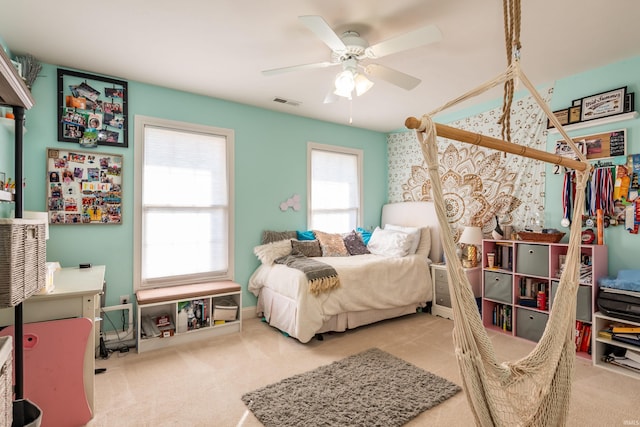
{"points": [[219, 47]]}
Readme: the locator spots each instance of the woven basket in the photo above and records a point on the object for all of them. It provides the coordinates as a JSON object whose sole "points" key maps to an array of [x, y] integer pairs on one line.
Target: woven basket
{"points": [[540, 237], [22, 260], [6, 382]]}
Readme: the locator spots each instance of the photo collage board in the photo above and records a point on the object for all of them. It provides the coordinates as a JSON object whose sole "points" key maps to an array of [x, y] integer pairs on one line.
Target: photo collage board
{"points": [[84, 187], [92, 110]]}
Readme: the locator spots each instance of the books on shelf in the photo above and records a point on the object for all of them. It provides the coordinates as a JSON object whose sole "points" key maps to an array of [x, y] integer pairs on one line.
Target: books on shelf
{"points": [[583, 337], [504, 256], [502, 317]]}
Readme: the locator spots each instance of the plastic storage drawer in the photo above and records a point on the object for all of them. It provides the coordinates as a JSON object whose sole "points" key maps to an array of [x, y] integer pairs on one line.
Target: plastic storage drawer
{"points": [[530, 324], [498, 286], [532, 260], [583, 304]]}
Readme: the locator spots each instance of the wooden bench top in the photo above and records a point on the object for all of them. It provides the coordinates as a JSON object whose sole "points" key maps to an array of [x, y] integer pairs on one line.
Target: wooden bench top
{"points": [[171, 293]]}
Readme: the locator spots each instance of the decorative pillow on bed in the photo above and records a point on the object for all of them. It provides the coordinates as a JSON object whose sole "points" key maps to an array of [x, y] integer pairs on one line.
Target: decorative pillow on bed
{"points": [[424, 247], [365, 234], [308, 248], [305, 235], [354, 244], [391, 243], [331, 244], [413, 231], [269, 252], [269, 236]]}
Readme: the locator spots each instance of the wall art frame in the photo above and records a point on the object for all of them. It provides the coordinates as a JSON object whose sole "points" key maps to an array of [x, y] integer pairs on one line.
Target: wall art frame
{"points": [[596, 146], [92, 110], [83, 187]]}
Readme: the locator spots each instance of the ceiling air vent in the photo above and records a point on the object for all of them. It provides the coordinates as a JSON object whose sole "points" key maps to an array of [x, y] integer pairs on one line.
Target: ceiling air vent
{"points": [[287, 101]]}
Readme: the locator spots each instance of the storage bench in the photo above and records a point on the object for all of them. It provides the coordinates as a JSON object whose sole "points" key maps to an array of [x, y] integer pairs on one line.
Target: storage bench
{"points": [[176, 315]]}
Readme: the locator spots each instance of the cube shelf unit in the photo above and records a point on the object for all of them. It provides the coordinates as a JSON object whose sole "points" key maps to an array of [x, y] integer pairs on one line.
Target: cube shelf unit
{"points": [[602, 345], [510, 300], [193, 312]]}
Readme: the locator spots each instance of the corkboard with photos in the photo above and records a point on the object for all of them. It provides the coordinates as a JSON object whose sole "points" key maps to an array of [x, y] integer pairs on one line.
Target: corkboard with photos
{"points": [[84, 187], [92, 110]]}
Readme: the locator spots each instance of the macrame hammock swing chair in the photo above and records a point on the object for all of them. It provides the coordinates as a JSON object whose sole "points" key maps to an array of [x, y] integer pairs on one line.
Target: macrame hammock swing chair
{"points": [[535, 390]]}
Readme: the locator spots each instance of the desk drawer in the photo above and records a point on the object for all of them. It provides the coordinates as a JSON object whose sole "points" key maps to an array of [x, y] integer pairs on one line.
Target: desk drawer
{"points": [[498, 286], [533, 260], [530, 324]]}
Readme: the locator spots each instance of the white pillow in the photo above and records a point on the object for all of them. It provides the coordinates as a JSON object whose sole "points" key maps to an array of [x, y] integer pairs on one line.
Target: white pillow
{"points": [[391, 243], [413, 231], [269, 252]]}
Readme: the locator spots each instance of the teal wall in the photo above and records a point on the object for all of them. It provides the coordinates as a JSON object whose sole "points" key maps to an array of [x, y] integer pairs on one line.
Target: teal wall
{"points": [[270, 166], [623, 247]]}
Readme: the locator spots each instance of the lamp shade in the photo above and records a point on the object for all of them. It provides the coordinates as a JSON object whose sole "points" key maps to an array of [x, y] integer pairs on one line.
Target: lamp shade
{"points": [[471, 236]]}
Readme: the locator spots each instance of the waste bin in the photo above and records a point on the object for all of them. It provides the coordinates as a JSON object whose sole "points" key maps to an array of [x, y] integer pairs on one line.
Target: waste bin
{"points": [[26, 414]]}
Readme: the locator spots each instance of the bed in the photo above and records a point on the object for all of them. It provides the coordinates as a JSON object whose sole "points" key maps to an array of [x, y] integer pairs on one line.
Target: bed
{"points": [[373, 287]]}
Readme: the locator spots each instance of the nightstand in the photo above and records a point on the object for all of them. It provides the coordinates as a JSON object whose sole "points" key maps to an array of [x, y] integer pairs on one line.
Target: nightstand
{"points": [[441, 297]]}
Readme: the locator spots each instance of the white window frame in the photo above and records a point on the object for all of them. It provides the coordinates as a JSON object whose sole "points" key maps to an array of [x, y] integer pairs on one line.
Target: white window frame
{"points": [[311, 146], [140, 123]]}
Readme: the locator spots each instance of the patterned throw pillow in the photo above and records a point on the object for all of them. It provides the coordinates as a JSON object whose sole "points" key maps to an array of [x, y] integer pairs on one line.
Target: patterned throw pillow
{"points": [[331, 244], [308, 248], [354, 244], [269, 236], [269, 252]]}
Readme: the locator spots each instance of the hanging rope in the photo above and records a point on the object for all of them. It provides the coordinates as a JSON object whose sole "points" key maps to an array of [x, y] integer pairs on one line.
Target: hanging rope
{"points": [[511, 16]]}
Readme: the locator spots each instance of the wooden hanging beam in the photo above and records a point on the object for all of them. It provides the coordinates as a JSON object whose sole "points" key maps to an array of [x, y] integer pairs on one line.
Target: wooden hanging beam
{"points": [[498, 144]]}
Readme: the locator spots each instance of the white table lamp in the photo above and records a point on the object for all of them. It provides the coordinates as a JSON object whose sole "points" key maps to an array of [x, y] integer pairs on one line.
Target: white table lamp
{"points": [[471, 237]]}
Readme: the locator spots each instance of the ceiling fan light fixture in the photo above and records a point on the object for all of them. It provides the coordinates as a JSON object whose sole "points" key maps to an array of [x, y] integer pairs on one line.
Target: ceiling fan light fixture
{"points": [[345, 83], [363, 84]]}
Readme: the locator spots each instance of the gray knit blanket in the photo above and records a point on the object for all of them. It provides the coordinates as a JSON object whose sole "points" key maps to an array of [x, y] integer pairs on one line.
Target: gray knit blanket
{"points": [[322, 277]]}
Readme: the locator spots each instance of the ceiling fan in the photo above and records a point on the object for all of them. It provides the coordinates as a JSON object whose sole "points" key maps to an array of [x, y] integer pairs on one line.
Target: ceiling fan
{"points": [[350, 49]]}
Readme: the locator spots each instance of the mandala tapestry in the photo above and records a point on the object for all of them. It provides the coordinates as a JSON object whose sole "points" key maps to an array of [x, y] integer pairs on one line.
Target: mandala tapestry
{"points": [[479, 184]]}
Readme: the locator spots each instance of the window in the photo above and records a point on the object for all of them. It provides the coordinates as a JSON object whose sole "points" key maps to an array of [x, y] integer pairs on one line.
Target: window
{"points": [[184, 203], [335, 188]]}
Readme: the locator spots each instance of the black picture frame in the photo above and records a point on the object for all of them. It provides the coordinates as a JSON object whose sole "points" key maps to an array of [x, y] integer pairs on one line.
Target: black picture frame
{"points": [[604, 104], [86, 115]]}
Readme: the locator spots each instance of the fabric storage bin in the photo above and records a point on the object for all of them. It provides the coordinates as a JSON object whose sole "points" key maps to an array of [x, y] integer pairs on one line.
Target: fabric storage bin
{"points": [[532, 260], [22, 259], [225, 309], [498, 286], [530, 324], [583, 301]]}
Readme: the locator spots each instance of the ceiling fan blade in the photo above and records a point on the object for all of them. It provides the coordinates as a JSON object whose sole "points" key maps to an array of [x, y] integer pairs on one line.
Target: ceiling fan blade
{"points": [[395, 77], [275, 71], [320, 28], [410, 40]]}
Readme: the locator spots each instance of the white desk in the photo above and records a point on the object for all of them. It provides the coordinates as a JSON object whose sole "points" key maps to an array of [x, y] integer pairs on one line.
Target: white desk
{"points": [[76, 294]]}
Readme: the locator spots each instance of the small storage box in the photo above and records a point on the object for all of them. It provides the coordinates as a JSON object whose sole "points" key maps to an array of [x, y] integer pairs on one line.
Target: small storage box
{"points": [[225, 309], [530, 324], [23, 256], [533, 260], [498, 286]]}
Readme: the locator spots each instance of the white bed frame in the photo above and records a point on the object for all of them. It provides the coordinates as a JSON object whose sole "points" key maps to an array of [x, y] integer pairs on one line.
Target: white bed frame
{"points": [[408, 214]]}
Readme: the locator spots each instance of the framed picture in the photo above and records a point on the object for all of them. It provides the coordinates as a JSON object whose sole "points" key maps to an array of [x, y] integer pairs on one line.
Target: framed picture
{"points": [[83, 187], [629, 102], [562, 116], [597, 146], [574, 114], [603, 104], [92, 110]]}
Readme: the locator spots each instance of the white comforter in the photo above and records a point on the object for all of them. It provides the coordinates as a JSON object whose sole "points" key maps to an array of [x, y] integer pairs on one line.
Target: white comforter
{"points": [[367, 282]]}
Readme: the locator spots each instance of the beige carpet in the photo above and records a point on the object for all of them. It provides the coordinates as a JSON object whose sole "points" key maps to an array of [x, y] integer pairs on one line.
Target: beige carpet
{"points": [[201, 384]]}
